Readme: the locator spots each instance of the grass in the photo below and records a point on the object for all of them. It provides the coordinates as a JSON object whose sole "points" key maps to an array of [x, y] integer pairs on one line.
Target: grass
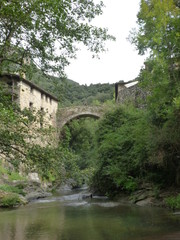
{"points": [[12, 189], [2, 170], [15, 176], [12, 175]]}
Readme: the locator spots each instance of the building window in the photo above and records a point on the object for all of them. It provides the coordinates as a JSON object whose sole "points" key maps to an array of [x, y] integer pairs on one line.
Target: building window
{"points": [[31, 90], [42, 109], [42, 96], [50, 101], [30, 105]]}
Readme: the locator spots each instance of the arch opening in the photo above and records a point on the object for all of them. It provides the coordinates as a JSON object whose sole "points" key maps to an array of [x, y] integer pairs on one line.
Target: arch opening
{"points": [[76, 116]]}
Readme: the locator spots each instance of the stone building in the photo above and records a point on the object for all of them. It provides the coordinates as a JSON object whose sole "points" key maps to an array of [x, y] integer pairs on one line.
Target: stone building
{"points": [[130, 92], [28, 95]]}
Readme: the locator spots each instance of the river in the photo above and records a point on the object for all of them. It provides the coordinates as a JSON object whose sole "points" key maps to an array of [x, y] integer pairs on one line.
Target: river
{"points": [[69, 217]]}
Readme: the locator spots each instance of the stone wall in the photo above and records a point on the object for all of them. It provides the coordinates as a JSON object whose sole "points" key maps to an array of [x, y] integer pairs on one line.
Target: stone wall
{"points": [[30, 96], [133, 94]]}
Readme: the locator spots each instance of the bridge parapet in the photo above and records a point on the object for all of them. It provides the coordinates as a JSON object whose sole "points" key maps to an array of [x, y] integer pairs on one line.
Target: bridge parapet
{"points": [[67, 114]]}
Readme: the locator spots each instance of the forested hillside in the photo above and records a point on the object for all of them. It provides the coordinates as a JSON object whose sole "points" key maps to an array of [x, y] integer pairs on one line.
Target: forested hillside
{"points": [[72, 93]]}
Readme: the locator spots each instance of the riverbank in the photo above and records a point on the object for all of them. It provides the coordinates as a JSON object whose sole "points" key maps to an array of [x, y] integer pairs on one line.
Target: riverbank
{"points": [[149, 196], [17, 190], [14, 193], [19, 193]]}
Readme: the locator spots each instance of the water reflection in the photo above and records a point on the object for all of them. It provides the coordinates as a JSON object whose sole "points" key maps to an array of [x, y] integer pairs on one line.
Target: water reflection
{"points": [[75, 219], [39, 222]]}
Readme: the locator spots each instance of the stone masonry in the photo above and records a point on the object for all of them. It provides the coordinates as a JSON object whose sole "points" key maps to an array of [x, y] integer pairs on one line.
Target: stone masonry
{"points": [[67, 114], [133, 94], [30, 96]]}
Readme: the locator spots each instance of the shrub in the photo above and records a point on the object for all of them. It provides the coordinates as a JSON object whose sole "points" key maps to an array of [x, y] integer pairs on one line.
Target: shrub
{"points": [[173, 202], [11, 200], [12, 189], [15, 176], [123, 149]]}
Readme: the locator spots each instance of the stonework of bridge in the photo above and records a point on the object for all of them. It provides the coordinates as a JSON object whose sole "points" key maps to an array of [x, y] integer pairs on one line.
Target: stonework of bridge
{"points": [[65, 115]]}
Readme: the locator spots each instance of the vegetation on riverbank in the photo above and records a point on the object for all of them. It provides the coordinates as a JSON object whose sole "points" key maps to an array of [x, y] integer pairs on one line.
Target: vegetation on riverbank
{"points": [[128, 146], [173, 202]]}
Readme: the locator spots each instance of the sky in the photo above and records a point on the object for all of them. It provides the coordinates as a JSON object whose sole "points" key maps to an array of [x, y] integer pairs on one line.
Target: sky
{"points": [[121, 61]]}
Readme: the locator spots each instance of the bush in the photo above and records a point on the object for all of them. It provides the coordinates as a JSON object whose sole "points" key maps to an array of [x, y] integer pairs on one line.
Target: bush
{"points": [[173, 202], [123, 149], [11, 200], [15, 176], [12, 189]]}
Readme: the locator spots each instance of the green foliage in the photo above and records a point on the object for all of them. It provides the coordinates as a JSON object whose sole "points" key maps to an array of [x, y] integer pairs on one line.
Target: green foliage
{"points": [[71, 93], [79, 136], [122, 149], [173, 202], [158, 28], [15, 128], [129, 152], [54, 164], [12, 189], [15, 176], [2, 170], [159, 34], [132, 150], [45, 32], [11, 175], [10, 200]]}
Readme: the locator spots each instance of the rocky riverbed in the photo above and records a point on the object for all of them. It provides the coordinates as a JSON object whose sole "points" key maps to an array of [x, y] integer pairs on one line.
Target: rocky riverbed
{"points": [[32, 189]]}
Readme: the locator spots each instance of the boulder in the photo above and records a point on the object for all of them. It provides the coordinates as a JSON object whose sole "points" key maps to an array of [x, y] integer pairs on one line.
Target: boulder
{"points": [[148, 201], [87, 195], [37, 195], [33, 177]]}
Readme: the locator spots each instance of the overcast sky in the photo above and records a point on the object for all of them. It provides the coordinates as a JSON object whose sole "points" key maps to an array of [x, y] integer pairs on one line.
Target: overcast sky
{"points": [[121, 62]]}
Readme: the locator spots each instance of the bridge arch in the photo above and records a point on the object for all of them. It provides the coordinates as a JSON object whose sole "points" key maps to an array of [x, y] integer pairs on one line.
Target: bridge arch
{"points": [[66, 115], [76, 116]]}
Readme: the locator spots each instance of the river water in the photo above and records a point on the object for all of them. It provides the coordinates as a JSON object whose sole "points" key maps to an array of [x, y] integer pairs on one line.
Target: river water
{"points": [[70, 217]]}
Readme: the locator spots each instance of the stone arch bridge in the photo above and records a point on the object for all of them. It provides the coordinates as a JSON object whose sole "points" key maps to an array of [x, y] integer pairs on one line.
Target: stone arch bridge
{"points": [[65, 115]]}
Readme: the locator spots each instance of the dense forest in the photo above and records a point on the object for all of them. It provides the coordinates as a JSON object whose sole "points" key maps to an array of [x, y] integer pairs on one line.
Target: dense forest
{"points": [[72, 93]]}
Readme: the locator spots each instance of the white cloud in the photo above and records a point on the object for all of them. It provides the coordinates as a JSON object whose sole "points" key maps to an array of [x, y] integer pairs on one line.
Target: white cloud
{"points": [[121, 62]]}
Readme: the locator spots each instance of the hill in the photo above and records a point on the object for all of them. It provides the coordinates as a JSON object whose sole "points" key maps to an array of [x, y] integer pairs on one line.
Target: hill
{"points": [[72, 93]]}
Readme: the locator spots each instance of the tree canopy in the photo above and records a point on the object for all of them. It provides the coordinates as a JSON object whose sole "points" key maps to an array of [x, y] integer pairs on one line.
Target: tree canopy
{"points": [[158, 33], [159, 28], [45, 32]]}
